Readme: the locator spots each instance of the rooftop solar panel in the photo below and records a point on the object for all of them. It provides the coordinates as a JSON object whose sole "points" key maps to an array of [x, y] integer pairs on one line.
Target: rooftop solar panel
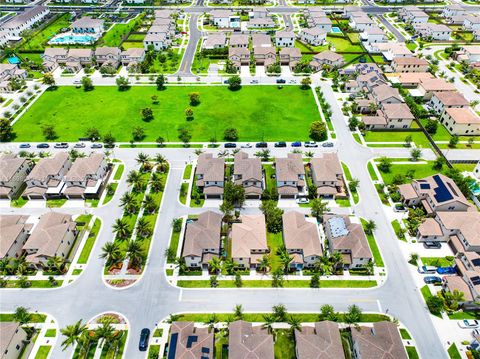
{"points": [[191, 340], [172, 348], [205, 350], [442, 194], [424, 186]]}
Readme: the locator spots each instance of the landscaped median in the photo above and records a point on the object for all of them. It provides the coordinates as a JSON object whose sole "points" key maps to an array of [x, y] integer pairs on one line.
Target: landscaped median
{"points": [[258, 283]]}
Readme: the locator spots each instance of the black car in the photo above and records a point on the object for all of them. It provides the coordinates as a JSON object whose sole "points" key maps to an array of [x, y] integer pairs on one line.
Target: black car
{"points": [[281, 81], [435, 245], [43, 145], [280, 144], [144, 336], [61, 145], [25, 145], [261, 145], [230, 145]]}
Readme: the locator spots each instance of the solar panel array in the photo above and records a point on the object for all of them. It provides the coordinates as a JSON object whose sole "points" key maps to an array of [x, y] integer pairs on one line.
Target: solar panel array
{"points": [[442, 194]]}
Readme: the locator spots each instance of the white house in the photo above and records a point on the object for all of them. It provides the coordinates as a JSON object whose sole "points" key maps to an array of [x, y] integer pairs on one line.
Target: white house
{"points": [[158, 41], [433, 31], [285, 39], [225, 19], [88, 25], [313, 36], [361, 23], [373, 35], [24, 21], [461, 121], [471, 22]]}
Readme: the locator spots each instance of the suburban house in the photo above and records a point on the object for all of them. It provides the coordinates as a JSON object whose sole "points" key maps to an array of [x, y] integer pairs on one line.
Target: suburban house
{"points": [[347, 238], [13, 171], [239, 56], [265, 55], [87, 25], [290, 56], [53, 236], [453, 10], [71, 59], [327, 176], [13, 340], [316, 17], [468, 281], [225, 19], [261, 40], [47, 178], [313, 36], [132, 57], [249, 240], [290, 176], [14, 232], [361, 22], [436, 193], [441, 101], [107, 56], [392, 50], [461, 121], [210, 175], [189, 341], [261, 23], [413, 15], [9, 72], [397, 115], [413, 79], [471, 22], [373, 35], [320, 341], [247, 172], [24, 21], [381, 340], [432, 31], [248, 341], [239, 40], [427, 87], [202, 240], [329, 58], [215, 41], [469, 54], [410, 64], [301, 239], [86, 177], [157, 41], [385, 94], [284, 39]]}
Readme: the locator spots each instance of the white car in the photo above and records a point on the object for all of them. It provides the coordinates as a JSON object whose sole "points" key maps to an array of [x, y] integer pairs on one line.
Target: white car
{"points": [[246, 146], [468, 324], [303, 200]]}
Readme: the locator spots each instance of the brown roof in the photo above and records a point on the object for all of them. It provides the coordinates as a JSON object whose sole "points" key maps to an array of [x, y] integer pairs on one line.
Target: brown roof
{"points": [[248, 168], [430, 227], [451, 98], [238, 39], [382, 341], [328, 55], [83, 167], [395, 111], [437, 84], [430, 186], [413, 77], [347, 236], [326, 167], [9, 165], [203, 233], [320, 342], [212, 169], [261, 40], [298, 233], [48, 167], [48, 234], [105, 51], [384, 92], [290, 168], [457, 283], [11, 226], [246, 341], [468, 223], [410, 61], [407, 191], [250, 234], [7, 332], [463, 115], [191, 342]]}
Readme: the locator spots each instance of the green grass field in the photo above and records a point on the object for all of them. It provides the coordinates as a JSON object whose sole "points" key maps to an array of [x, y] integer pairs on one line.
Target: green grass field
{"points": [[38, 41], [255, 111]]}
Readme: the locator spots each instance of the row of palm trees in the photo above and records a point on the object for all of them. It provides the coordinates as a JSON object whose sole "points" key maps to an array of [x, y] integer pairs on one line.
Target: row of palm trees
{"points": [[19, 266]]}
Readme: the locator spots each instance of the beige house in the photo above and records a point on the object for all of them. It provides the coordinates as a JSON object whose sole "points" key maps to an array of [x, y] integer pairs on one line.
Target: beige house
{"points": [[210, 175], [301, 239], [410, 64], [132, 57], [462, 229], [86, 177], [265, 56], [318, 342], [107, 56], [13, 171], [53, 236], [249, 240], [189, 341], [247, 341], [436, 193], [441, 101], [13, 234], [347, 238], [239, 56], [327, 176], [12, 340], [329, 58], [397, 115], [461, 121], [385, 94], [47, 177], [428, 87], [468, 280], [381, 340], [239, 40], [290, 176], [248, 173], [202, 240], [290, 56]]}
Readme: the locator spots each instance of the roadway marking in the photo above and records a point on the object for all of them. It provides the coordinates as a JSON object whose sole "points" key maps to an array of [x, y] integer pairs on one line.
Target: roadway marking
{"points": [[180, 295]]}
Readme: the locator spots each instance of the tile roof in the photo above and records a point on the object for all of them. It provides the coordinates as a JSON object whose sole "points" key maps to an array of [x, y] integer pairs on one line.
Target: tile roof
{"points": [[320, 342], [298, 233], [249, 342], [203, 233]]}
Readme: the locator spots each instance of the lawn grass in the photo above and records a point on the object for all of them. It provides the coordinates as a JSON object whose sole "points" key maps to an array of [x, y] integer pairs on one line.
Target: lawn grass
{"points": [[349, 177], [187, 172], [269, 181], [371, 171], [51, 333], [412, 352], [397, 228], [153, 351], [453, 352], [405, 334], [92, 237], [34, 318], [274, 242], [19, 202], [119, 32], [284, 346], [373, 247], [287, 284], [174, 241], [464, 315], [437, 261], [183, 193], [342, 202], [34, 284], [119, 172], [397, 136], [108, 197], [221, 345], [77, 271], [43, 351], [39, 40], [266, 113], [56, 203]]}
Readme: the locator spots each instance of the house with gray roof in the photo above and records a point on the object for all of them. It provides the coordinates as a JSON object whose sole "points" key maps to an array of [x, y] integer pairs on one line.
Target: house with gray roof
{"points": [[88, 25], [24, 21], [249, 240], [327, 176], [107, 56], [13, 339], [322, 341], [189, 341]]}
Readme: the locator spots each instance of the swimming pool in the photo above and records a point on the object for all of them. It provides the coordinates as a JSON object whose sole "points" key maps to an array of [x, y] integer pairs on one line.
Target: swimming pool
{"points": [[336, 30], [13, 60], [72, 39], [474, 187]]}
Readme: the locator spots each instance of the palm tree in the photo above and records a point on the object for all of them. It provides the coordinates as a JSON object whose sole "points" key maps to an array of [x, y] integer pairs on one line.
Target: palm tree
{"points": [[295, 323], [4, 265], [280, 312], [161, 162], [238, 311], [143, 227], [21, 266], [322, 265], [149, 204], [212, 320], [127, 200], [285, 259], [135, 253], [370, 226], [181, 265], [73, 334], [354, 315], [214, 265], [121, 228], [229, 266], [57, 264], [264, 264], [111, 252], [105, 333], [156, 183], [135, 180], [309, 154], [269, 319], [22, 315], [319, 207], [142, 159], [337, 261]]}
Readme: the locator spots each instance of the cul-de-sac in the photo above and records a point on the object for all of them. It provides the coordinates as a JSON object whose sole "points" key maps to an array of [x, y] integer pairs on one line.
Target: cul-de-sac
{"points": [[243, 179]]}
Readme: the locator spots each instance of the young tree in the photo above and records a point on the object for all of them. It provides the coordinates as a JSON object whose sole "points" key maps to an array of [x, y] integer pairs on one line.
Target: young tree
{"points": [[48, 79], [138, 133], [92, 133], [415, 154], [230, 134], [123, 83], [48, 131], [273, 216], [234, 194], [431, 126], [327, 312], [353, 185], [305, 83], [453, 141], [111, 253], [189, 113], [109, 140], [154, 99], [147, 114], [315, 281], [22, 315], [263, 154], [160, 140], [435, 304], [280, 312], [354, 315], [318, 131], [384, 164], [408, 141], [87, 83], [319, 207], [184, 135], [370, 226], [6, 130], [160, 82], [238, 280], [194, 98], [353, 123], [234, 83]]}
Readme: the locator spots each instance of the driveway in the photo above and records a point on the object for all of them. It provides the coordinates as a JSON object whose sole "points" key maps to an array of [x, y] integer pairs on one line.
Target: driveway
{"points": [[245, 71], [286, 72], [260, 71]]}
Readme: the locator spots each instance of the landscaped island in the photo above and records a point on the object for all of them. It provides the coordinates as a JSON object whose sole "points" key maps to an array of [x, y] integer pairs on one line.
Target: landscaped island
{"points": [[257, 112]]}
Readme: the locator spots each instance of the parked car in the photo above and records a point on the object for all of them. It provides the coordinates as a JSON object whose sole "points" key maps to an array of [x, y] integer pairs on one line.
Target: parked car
{"points": [[436, 245], [432, 279], [427, 269], [144, 336], [280, 144], [225, 82], [96, 145], [296, 144], [25, 145], [261, 145], [327, 144], [247, 145], [303, 200], [446, 270], [399, 208], [281, 81], [61, 145], [77, 82], [43, 145], [311, 144], [292, 81], [230, 145], [254, 82], [468, 324], [80, 145]]}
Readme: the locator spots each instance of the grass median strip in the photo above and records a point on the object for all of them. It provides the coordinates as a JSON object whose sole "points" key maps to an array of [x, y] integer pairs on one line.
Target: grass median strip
{"points": [[377, 256], [286, 284], [92, 237]]}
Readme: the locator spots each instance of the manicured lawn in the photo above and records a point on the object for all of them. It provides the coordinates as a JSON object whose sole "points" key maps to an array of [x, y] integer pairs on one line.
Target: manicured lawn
{"points": [[55, 203], [396, 227], [284, 344], [119, 32], [187, 172], [274, 242], [453, 352], [34, 318], [405, 334], [342, 44], [158, 333], [373, 247], [269, 171], [34, 284], [51, 333], [119, 172], [19, 202], [108, 197], [221, 345], [397, 136], [371, 171], [286, 284], [43, 351], [349, 177], [437, 261], [174, 241], [153, 351], [183, 193], [38, 41], [77, 271], [343, 202], [92, 237], [255, 111], [412, 352], [464, 315]]}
